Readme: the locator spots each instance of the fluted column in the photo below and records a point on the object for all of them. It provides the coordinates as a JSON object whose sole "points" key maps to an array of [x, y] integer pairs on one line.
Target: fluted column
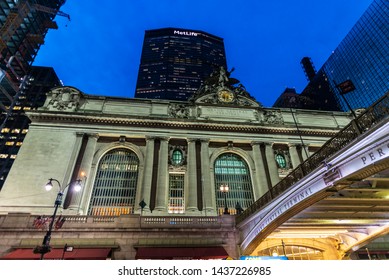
{"points": [[79, 199], [208, 196], [145, 190], [162, 183], [192, 180], [260, 182], [294, 157], [271, 162]]}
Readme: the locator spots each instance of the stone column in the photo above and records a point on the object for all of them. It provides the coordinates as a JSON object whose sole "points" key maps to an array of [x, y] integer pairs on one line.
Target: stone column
{"points": [[294, 157], [79, 201], [208, 196], [191, 205], [271, 163], [161, 198], [145, 189], [305, 152], [260, 182]]}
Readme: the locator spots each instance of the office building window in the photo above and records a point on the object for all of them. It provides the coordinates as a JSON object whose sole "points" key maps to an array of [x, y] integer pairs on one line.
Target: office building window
{"points": [[115, 185]]}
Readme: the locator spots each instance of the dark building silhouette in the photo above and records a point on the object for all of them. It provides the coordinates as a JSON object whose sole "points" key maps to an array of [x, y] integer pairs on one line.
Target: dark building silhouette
{"points": [[175, 62], [362, 58], [308, 67]]}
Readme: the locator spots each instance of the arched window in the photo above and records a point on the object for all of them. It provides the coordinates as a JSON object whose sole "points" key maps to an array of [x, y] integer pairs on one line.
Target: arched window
{"points": [[232, 170], [115, 185], [281, 162]]}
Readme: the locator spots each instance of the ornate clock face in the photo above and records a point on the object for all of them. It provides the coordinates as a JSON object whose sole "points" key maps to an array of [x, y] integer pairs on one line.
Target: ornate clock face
{"points": [[225, 95]]}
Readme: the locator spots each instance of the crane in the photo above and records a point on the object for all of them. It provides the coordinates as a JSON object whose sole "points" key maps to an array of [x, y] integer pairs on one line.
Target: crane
{"points": [[50, 11]]}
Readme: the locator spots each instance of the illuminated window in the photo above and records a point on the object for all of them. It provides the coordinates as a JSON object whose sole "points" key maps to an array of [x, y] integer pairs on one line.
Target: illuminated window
{"points": [[27, 108], [3, 155], [5, 130], [281, 162], [17, 108], [13, 156], [115, 186], [177, 157], [293, 252], [16, 130], [232, 170], [19, 143], [24, 131], [9, 143], [176, 193]]}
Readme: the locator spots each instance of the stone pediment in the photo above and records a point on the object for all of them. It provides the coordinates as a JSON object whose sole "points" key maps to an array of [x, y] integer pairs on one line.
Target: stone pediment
{"points": [[220, 89]]}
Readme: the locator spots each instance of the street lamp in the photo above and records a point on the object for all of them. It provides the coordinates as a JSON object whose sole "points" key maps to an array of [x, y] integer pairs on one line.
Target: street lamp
{"points": [[45, 248], [224, 189]]}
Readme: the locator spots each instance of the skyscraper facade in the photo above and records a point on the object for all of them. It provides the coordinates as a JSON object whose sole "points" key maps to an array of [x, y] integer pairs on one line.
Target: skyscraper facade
{"points": [[23, 27], [362, 58], [175, 62]]}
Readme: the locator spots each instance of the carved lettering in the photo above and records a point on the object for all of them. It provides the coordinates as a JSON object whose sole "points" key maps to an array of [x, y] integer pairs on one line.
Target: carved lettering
{"points": [[380, 152], [376, 155]]}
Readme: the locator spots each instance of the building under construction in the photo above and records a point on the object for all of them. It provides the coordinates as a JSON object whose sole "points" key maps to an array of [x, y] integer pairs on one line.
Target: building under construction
{"points": [[23, 27]]}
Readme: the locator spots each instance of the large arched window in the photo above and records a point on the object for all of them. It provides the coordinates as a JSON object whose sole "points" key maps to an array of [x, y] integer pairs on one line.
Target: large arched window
{"points": [[232, 170], [115, 184]]}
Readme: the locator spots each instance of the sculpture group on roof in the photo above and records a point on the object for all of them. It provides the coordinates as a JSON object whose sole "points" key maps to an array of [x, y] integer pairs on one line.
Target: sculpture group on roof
{"points": [[221, 78]]}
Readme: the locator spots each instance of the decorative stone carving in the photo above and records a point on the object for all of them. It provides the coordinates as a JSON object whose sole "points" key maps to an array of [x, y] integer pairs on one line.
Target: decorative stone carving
{"points": [[273, 117], [286, 156], [64, 99], [178, 111], [173, 160]]}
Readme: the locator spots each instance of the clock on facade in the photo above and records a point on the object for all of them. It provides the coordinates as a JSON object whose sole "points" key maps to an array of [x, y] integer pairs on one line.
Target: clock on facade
{"points": [[225, 95]]}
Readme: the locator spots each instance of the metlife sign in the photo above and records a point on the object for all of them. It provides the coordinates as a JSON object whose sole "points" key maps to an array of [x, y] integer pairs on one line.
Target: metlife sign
{"points": [[185, 33]]}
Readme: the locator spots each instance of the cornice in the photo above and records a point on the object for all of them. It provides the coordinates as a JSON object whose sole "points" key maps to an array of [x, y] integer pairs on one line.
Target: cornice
{"points": [[41, 117]]}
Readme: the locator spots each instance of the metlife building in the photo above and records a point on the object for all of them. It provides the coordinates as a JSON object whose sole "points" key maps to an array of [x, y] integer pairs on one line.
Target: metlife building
{"points": [[174, 62]]}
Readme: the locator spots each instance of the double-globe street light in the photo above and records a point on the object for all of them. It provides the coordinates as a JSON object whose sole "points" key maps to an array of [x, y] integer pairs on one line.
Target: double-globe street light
{"points": [[45, 247]]}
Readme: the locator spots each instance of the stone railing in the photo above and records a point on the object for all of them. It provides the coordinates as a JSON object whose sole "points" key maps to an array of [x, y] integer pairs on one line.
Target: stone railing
{"points": [[376, 113], [24, 221]]}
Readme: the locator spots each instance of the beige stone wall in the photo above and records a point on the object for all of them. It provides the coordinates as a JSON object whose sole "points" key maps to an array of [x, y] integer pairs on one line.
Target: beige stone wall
{"points": [[48, 153], [123, 234]]}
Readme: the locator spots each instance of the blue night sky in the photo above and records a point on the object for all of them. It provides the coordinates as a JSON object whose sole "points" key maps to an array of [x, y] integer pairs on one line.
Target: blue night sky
{"points": [[99, 50]]}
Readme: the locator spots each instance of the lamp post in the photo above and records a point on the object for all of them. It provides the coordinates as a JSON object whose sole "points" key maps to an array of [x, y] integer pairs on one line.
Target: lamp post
{"points": [[224, 189], [45, 247]]}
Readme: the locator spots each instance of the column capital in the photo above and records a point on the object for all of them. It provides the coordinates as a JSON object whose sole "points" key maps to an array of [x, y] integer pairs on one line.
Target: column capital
{"points": [[256, 143], [165, 139], [190, 140], [204, 140], [93, 135], [150, 138]]}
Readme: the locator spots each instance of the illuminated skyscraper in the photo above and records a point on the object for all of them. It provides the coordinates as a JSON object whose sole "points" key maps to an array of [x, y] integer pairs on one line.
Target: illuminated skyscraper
{"points": [[175, 61]]}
